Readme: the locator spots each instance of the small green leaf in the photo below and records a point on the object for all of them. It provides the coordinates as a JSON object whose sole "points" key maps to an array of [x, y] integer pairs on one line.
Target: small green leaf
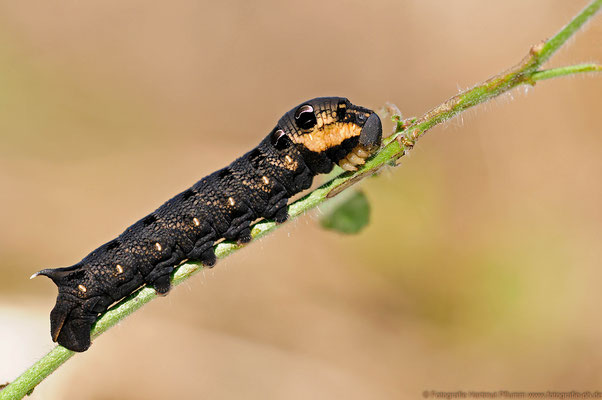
{"points": [[349, 216]]}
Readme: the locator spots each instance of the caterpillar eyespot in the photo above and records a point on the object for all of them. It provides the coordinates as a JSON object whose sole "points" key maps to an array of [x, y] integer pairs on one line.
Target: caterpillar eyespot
{"points": [[279, 140], [305, 117], [222, 205]]}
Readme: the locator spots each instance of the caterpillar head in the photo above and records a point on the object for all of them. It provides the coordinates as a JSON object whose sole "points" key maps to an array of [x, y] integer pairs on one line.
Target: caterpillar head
{"points": [[73, 315], [328, 130]]}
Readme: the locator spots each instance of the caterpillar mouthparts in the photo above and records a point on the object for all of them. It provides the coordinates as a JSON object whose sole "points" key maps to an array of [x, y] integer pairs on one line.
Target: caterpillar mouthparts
{"points": [[357, 157]]}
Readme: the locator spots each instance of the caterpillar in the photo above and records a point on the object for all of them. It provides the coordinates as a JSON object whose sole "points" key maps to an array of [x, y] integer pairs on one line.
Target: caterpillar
{"points": [[308, 140]]}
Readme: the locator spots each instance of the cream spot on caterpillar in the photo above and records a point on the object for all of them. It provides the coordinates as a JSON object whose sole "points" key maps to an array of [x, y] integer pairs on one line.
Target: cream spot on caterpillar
{"points": [[82, 288], [158, 246], [231, 201], [196, 221], [119, 269], [265, 179], [289, 163]]}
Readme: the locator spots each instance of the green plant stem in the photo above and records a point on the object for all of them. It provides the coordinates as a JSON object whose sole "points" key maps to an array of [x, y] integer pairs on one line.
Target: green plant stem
{"points": [[552, 45], [394, 147], [565, 71]]}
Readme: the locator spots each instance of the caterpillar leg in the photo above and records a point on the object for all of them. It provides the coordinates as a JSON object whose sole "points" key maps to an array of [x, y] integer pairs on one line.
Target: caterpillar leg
{"points": [[162, 284], [204, 253], [203, 250], [278, 211], [276, 208], [159, 277], [208, 257], [240, 226], [281, 215], [244, 236]]}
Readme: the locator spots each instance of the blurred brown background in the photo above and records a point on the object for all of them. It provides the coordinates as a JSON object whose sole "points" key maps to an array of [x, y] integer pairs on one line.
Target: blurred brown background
{"points": [[480, 269]]}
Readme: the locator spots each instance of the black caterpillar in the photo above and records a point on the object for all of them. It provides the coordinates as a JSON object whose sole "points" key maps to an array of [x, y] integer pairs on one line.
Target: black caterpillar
{"points": [[308, 140]]}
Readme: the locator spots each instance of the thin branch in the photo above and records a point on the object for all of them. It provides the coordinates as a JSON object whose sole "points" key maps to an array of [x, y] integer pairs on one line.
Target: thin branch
{"points": [[405, 136], [565, 71], [552, 45]]}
